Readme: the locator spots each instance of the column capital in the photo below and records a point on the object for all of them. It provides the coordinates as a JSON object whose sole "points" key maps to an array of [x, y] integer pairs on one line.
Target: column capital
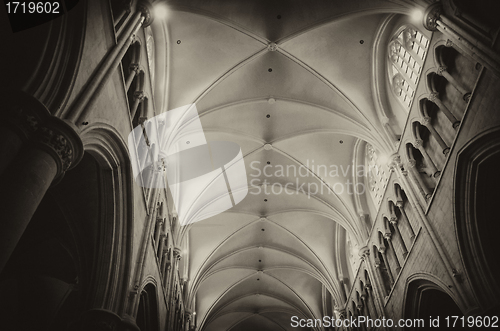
{"points": [[425, 121], [177, 253], [418, 143], [381, 249], [59, 139], [441, 70], [431, 15], [395, 162], [411, 163], [134, 67], [146, 8], [35, 124], [139, 95], [364, 252], [388, 235], [340, 312], [393, 220], [433, 96]]}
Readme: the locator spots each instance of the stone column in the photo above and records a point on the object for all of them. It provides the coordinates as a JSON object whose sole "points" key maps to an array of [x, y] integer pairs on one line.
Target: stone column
{"points": [[400, 205], [382, 251], [434, 98], [184, 289], [83, 104], [340, 313], [388, 237], [342, 289], [419, 144], [443, 72], [369, 299], [364, 299], [426, 121], [138, 98], [376, 276], [166, 271], [360, 312], [52, 148], [394, 222], [176, 258], [466, 43], [125, 8], [163, 265], [159, 252], [158, 231], [418, 179], [188, 318]]}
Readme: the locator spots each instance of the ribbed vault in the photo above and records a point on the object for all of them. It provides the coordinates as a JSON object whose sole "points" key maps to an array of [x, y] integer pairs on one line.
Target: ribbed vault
{"points": [[297, 76]]}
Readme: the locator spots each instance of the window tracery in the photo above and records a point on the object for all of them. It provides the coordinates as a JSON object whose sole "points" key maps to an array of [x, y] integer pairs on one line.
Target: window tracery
{"points": [[377, 174], [150, 50], [407, 52]]}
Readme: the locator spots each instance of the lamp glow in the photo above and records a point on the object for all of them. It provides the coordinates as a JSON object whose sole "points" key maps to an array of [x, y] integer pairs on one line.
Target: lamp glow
{"points": [[161, 11], [417, 15]]}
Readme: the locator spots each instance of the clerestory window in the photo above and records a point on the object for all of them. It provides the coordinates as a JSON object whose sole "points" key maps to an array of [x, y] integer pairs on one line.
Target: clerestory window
{"points": [[407, 52]]}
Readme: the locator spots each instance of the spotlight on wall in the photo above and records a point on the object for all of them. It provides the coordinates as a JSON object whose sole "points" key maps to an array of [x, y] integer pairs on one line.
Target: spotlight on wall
{"points": [[417, 15], [383, 159], [160, 11]]}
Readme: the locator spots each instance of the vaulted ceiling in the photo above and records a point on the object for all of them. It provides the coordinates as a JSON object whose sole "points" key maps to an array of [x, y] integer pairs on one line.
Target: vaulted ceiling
{"points": [[298, 75]]}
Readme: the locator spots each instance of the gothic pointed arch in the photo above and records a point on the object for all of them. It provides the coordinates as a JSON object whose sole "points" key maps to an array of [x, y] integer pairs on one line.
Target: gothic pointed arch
{"points": [[477, 180]]}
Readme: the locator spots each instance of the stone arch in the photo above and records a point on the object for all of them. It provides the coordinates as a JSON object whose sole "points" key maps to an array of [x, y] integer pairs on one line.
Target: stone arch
{"points": [[425, 298], [148, 313], [105, 145], [477, 181]]}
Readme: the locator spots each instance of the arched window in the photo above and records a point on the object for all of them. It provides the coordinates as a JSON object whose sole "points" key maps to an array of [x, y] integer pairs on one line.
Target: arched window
{"points": [[377, 174], [150, 50], [407, 52], [352, 255]]}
